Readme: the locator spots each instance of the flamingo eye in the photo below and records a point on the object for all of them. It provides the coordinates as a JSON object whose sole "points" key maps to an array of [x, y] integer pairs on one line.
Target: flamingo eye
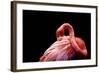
{"points": [[59, 39]]}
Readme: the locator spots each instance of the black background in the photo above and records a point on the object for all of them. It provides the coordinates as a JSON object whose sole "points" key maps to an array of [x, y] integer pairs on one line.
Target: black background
{"points": [[39, 28]]}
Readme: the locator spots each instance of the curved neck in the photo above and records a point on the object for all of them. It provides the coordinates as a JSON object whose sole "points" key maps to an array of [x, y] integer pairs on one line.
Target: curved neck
{"points": [[67, 26]]}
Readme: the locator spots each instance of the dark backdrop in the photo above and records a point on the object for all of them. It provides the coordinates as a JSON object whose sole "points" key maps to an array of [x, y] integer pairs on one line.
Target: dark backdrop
{"points": [[39, 28]]}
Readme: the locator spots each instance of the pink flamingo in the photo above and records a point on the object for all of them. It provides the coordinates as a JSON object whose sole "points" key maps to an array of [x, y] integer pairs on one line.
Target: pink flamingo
{"points": [[66, 47]]}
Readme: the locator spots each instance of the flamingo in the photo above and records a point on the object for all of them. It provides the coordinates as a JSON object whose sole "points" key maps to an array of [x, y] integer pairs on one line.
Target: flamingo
{"points": [[66, 47]]}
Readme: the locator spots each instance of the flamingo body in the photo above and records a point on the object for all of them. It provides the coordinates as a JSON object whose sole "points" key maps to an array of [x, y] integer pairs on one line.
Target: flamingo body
{"points": [[66, 47]]}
